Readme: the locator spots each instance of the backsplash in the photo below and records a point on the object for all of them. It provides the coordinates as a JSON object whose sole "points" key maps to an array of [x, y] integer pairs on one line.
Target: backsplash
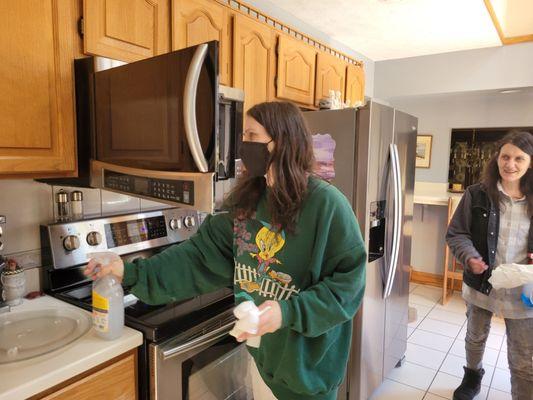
{"points": [[27, 204]]}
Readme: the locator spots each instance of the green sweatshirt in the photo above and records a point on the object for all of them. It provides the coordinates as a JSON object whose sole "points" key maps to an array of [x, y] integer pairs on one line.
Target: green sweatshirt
{"points": [[316, 274]]}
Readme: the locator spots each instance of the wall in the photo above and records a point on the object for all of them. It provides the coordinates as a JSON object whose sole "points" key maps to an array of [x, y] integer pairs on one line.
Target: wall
{"points": [[438, 114], [281, 15], [461, 71]]}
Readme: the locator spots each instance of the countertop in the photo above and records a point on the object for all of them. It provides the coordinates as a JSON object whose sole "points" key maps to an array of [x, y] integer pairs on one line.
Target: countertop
{"points": [[431, 193], [22, 379]]}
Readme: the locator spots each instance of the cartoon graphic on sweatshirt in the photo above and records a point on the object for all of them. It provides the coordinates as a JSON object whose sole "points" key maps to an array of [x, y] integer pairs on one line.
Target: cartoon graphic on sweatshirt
{"points": [[263, 278]]}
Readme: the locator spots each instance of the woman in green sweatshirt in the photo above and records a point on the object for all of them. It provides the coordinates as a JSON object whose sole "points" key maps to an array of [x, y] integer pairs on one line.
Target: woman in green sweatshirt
{"points": [[290, 242]]}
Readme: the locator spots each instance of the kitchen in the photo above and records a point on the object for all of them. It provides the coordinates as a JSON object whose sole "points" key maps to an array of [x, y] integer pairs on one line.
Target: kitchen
{"points": [[444, 91]]}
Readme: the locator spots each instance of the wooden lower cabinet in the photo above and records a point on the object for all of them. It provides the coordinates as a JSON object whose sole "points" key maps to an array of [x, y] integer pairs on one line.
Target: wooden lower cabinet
{"points": [[113, 380]]}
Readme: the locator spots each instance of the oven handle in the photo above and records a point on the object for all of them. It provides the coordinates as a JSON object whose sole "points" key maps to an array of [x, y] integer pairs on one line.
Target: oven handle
{"points": [[189, 107], [195, 343]]}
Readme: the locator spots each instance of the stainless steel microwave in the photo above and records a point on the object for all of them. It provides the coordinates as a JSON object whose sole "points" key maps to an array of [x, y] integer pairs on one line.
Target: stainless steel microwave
{"points": [[161, 128]]}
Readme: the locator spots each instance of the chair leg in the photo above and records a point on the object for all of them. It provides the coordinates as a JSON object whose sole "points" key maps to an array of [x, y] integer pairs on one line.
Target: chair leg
{"points": [[445, 277], [454, 268]]}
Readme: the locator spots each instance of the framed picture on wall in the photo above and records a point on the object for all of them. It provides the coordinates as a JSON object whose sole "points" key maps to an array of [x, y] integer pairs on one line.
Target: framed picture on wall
{"points": [[423, 151]]}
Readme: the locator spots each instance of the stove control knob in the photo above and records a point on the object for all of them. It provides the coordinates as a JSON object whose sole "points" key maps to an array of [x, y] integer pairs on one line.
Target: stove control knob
{"points": [[175, 224], [94, 238], [71, 242], [189, 221]]}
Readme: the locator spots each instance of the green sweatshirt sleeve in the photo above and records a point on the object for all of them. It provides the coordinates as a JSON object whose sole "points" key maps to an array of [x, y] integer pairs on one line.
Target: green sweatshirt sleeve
{"points": [[199, 265], [335, 298]]}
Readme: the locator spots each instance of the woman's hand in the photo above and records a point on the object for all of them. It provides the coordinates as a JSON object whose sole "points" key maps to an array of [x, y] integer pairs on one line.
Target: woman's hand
{"points": [[477, 265], [96, 270], [269, 321]]}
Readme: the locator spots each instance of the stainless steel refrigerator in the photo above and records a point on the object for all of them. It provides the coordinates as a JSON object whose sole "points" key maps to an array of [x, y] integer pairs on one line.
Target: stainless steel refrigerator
{"points": [[372, 161]]}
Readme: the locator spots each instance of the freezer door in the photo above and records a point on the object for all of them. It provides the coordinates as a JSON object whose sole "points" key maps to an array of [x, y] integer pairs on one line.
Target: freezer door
{"points": [[374, 136], [395, 345]]}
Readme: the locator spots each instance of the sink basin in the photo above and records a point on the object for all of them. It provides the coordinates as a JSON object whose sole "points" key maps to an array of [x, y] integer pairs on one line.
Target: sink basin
{"points": [[29, 334]]}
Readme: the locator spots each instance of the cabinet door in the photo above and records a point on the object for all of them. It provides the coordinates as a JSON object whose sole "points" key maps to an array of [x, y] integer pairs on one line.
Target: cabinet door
{"points": [[296, 71], [126, 30], [38, 42], [116, 381], [253, 60], [330, 75], [355, 84], [200, 21]]}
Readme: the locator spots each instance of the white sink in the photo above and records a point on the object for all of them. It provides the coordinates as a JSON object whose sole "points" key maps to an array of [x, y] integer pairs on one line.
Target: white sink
{"points": [[28, 334]]}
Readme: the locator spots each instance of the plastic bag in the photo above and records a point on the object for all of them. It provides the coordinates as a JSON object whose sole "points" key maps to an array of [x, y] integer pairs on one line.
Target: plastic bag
{"points": [[508, 276]]}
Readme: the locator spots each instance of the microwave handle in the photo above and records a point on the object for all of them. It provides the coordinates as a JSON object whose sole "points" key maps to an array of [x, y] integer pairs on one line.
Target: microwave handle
{"points": [[189, 107]]}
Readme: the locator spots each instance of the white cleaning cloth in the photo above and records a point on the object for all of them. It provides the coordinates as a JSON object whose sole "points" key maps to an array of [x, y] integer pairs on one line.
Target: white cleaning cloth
{"points": [[508, 276], [247, 315]]}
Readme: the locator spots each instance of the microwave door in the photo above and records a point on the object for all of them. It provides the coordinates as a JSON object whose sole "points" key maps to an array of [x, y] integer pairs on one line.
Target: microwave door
{"points": [[160, 113]]}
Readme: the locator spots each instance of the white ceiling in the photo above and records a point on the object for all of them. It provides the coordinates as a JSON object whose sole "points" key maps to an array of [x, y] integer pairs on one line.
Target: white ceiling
{"points": [[388, 29]]}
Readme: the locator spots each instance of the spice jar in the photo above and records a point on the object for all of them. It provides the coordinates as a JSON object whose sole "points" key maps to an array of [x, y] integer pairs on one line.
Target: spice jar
{"points": [[76, 205], [63, 213]]}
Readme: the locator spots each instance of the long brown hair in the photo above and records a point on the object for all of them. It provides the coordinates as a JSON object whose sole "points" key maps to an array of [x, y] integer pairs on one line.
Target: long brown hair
{"points": [[524, 141], [291, 160]]}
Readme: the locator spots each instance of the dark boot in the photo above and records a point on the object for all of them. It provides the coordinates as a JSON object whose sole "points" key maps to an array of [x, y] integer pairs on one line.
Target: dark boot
{"points": [[470, 386]]}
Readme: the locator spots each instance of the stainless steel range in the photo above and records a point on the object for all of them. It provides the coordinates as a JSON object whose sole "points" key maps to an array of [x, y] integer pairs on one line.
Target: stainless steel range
{"points": [[186, 341]]}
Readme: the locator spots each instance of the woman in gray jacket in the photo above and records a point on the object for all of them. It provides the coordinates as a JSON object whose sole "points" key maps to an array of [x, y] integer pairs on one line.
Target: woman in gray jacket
{"points": [[492, 226]]}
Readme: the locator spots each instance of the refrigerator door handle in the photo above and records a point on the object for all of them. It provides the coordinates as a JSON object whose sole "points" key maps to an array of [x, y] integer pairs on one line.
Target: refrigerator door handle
{"points": [[397, 218], [189, 107]]}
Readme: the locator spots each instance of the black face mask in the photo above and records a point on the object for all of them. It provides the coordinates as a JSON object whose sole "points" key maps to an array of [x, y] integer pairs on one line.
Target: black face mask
{"points": [[255, 157]]}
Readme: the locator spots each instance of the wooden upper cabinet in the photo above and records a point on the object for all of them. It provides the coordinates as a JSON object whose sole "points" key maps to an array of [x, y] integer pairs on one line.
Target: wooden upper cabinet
{"points": [[200, 21], [355, 84], [126, 30], [296, 71], [254, 63], [330, 75], [38, 42]]}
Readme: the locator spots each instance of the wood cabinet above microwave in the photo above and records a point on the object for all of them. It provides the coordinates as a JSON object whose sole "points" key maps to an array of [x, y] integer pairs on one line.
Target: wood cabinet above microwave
{"points": [[126, 30], [200, 21]]}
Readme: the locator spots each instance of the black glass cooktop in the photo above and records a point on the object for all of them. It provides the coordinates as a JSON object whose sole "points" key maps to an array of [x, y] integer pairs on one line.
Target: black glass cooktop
{"points": [[161, 321]]}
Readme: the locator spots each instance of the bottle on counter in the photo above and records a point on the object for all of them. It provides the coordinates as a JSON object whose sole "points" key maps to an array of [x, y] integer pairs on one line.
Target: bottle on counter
{"points": [[108, 307], [76, 205]]}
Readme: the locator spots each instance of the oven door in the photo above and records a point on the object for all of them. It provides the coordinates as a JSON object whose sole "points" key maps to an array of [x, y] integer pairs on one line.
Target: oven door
{"points": [[202, 363]]}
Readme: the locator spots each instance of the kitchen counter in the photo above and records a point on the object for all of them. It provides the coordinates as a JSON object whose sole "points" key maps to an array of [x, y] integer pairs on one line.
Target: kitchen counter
{"points": [[22, 379], [432, 193]]}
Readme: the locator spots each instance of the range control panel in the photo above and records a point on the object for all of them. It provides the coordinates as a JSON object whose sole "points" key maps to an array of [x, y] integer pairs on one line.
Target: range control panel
{"points": [[69, 242]]}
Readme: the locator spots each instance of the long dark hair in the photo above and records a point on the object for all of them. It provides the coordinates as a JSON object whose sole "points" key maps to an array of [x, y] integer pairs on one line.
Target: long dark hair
{"points": [[524, 141], [291, 160]]}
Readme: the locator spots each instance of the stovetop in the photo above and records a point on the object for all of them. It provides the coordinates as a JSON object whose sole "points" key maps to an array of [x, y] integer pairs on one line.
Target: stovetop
{"points": [[162, 321]]}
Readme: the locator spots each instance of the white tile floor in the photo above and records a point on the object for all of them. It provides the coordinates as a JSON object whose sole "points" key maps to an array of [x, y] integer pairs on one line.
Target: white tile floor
{"points": [[435, 355]]}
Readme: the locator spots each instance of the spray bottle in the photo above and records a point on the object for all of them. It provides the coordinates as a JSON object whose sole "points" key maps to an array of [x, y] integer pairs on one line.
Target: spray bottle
{"points": [[108, 300]]}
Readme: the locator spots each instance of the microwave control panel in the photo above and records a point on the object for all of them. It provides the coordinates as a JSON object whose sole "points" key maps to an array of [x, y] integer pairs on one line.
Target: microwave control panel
{"points": [[180, 191]]}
